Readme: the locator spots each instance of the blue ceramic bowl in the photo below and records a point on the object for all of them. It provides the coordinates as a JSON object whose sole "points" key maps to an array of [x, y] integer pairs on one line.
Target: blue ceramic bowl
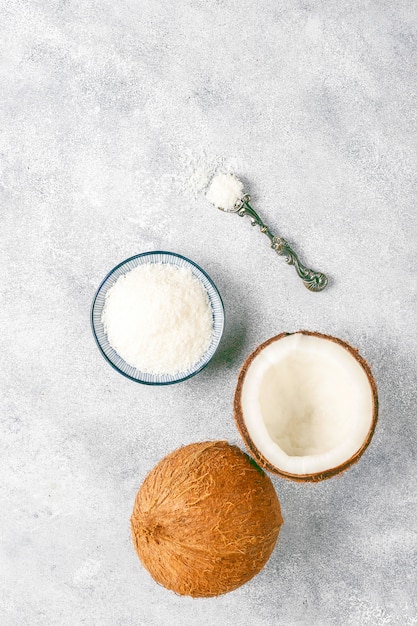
{"points": [[100, 336]]}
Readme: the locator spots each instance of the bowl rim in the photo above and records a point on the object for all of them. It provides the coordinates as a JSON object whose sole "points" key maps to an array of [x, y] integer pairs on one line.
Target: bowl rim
{"points": [[93, 328]]}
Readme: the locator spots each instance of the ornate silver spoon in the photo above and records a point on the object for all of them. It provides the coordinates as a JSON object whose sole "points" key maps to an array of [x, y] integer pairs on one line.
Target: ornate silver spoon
{"points": [[314, 281]]}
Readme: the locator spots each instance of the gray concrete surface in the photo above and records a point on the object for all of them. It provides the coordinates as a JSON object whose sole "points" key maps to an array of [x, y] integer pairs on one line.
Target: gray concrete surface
{"points": [[107, 110]]}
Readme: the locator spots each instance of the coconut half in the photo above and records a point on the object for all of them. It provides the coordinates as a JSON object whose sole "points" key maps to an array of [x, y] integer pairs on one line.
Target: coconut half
{"points": [[306, 405]]}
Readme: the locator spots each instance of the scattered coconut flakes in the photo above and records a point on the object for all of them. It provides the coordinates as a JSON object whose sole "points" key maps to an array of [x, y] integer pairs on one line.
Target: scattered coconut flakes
{"points": [[224, 191], [199, 179], [198, 168]]}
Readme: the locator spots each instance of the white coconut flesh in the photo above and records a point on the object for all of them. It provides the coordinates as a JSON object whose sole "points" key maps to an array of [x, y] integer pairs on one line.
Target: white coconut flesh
{"points": [[307, 404]]}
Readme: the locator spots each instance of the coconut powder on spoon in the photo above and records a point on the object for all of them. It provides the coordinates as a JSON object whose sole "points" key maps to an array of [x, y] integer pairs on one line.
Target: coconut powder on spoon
{"points": [[158, 318], [224, 191]]}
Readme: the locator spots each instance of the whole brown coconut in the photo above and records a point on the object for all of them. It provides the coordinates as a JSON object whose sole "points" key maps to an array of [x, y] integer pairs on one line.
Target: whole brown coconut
{"points": [[205, 520]]}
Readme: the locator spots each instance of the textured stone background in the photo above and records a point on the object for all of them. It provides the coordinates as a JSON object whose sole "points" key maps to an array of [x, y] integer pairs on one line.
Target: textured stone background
{"points": [[107, 110]]}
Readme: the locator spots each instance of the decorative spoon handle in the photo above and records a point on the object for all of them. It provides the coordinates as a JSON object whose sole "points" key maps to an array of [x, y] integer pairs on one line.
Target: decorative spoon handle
{"points": [[314, 281]]}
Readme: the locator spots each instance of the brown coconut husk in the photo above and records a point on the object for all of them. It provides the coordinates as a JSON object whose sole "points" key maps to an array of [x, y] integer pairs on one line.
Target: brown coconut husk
{"points": [[205, 520], [257, 454]]}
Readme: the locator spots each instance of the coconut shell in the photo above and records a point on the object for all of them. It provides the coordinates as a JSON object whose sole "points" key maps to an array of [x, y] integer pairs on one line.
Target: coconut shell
{"points": [[257, 454], [205, 520]]}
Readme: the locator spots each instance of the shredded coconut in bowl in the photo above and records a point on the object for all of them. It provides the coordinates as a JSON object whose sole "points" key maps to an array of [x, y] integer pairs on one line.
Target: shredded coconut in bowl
{"points": [[224, 191], [158, 318]]}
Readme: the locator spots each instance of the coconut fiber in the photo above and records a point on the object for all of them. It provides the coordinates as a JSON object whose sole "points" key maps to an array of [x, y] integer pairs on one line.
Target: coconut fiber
{"points": [[205, 520]]}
